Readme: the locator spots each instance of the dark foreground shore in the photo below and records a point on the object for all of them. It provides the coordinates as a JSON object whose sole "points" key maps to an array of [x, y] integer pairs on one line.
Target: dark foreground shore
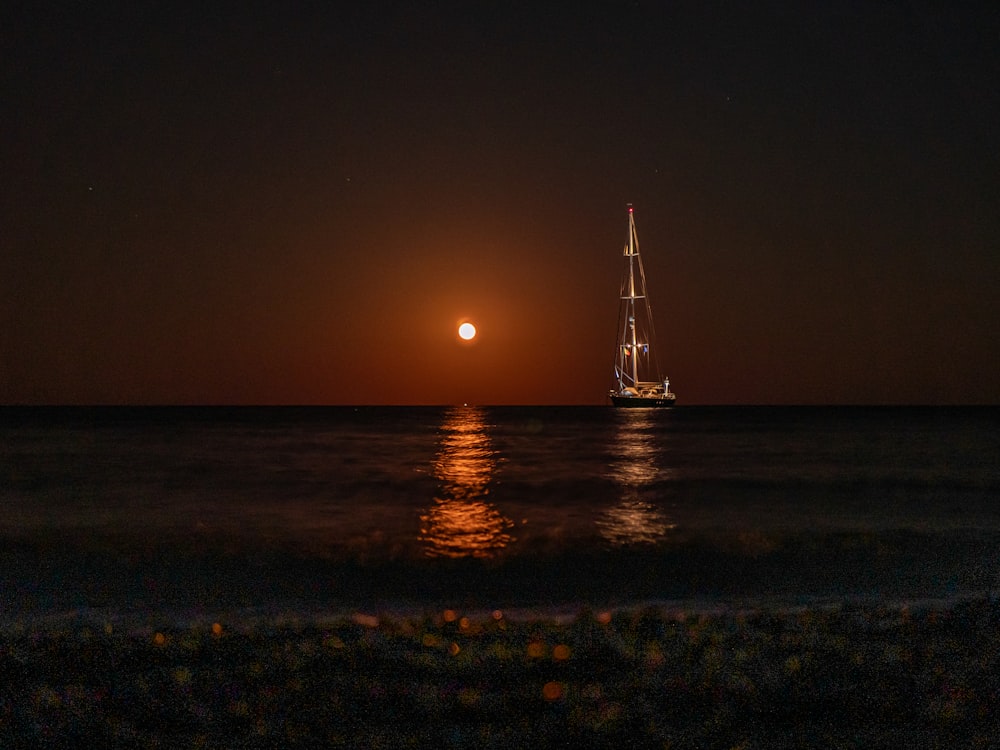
{"points": [[831, 675]]}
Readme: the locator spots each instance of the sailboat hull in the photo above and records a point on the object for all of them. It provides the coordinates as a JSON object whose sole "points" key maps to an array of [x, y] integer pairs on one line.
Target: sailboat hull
{"points": [[643, 402]]}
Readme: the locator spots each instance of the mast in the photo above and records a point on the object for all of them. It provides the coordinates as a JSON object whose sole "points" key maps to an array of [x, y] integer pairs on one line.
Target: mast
{"points": [[633, 249]]}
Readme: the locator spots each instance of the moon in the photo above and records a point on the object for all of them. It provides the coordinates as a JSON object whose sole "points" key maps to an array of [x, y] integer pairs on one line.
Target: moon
{"points": [[467, 331]]}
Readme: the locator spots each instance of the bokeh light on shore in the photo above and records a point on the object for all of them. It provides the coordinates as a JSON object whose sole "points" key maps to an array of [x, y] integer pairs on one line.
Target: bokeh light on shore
{"points": [[592, 679]]}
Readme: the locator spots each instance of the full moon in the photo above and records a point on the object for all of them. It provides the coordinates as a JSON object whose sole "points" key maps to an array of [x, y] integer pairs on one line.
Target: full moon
{"points": [[467, 331]]}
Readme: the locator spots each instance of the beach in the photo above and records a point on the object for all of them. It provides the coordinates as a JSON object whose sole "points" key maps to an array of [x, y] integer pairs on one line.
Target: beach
{"points": [[834, 674]]}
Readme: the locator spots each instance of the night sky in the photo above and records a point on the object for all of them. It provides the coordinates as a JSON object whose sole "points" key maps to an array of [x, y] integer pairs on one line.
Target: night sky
{"points": [[298, 203]]}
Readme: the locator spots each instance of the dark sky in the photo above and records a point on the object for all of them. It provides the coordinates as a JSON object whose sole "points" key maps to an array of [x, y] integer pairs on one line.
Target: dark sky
{"points": [[298, 202]]}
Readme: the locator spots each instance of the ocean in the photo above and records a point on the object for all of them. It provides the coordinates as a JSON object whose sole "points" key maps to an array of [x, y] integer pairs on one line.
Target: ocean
{"points": [[130, 511]]}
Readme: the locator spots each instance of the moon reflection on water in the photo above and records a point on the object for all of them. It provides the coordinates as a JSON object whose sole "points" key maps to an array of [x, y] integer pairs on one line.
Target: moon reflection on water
{"points": [[461, 522]]}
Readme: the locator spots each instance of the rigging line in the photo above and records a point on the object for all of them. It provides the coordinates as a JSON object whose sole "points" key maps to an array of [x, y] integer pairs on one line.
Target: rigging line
{"points": [[649, 314], [622, 329]]}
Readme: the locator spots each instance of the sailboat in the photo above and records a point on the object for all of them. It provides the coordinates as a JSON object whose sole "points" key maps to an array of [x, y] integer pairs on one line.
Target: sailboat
{"points": [[637, 378]]}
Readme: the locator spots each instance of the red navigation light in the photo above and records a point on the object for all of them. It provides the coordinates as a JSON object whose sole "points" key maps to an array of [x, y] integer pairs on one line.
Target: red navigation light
{"points": [[630, 209]]}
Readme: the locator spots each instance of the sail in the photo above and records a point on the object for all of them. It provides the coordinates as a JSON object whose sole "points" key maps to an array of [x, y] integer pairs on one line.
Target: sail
{"points": [[637, 372]]}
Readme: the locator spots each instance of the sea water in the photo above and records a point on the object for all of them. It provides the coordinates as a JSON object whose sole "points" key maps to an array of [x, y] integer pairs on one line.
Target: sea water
{"points": [[190, 508]]}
